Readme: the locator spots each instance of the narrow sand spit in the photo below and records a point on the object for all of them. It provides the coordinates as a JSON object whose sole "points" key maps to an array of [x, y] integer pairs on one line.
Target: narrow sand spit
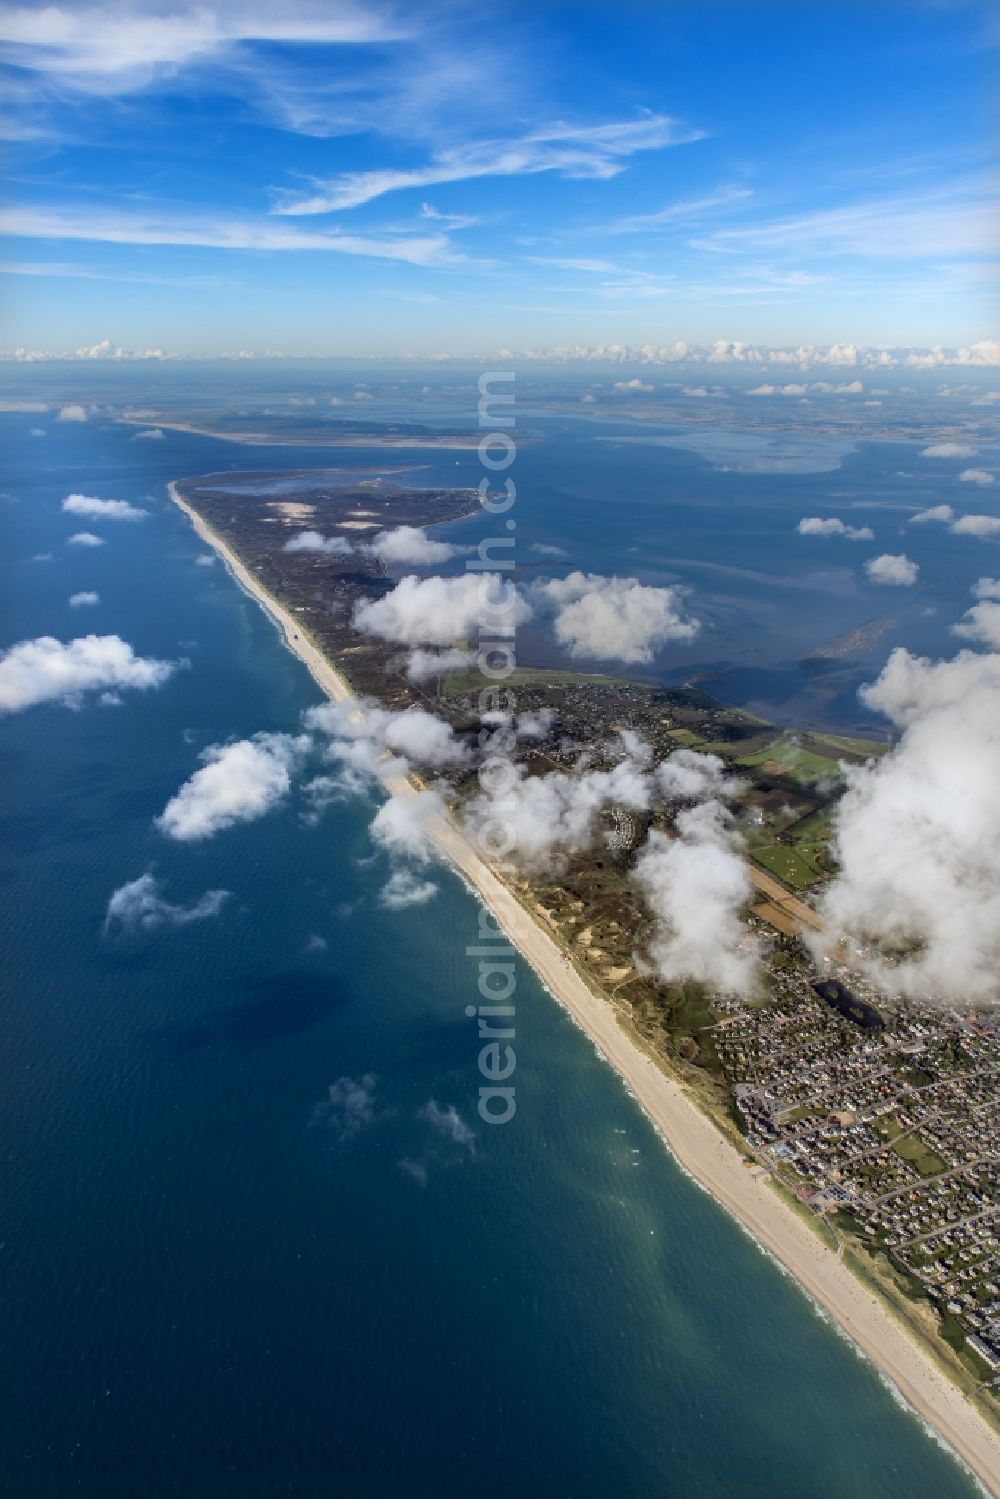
{"points": [[691, 1137]]}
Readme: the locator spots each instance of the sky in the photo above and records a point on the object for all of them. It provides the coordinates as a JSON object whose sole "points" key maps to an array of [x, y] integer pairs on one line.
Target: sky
{"points": [[355, 179]]}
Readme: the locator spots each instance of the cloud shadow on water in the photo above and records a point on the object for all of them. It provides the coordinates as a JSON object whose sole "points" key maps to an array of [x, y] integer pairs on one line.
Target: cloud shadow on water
{"points": [[273, 1008]]}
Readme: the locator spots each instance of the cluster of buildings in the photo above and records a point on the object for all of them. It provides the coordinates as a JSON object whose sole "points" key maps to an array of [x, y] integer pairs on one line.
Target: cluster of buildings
{"points": [[894, 1124]]}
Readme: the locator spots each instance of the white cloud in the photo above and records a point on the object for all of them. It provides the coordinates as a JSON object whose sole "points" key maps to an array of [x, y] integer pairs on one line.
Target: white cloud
{"points": [[631, 385], [98, 49], [917, 834], [218, 233], [313, 541], [981, 624], [696, 885], [47, 670], [814, 525], [85, 539], [238, 782], [349, 1106], [401, 824], [614, 619], [409, 734], [139, 907], [800, 390], [424, 666], [439, 611], [72, 414], [977, 525], [207, 559], [149, 434], [84, 600], [956, 220], [535, 725], [943, 513], [976, 476], [894, 569], [404, 888], [948, 450], [543, 819], [846, 388], [94, 509], [686, 775], [596, 151], [411, 545], [448, 1123], [986, 588]]}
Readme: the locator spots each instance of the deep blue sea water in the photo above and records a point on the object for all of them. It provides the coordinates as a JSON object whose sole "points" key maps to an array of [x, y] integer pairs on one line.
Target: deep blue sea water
{"points": [[205, 1290]]}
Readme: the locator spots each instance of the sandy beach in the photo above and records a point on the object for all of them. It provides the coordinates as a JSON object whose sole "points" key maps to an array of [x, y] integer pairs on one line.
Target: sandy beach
{"points": [[695, 1142]]}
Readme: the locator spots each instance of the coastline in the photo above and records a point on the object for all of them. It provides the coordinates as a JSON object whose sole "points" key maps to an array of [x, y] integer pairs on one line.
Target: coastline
{"points": [[698, 1146], [260, 440]]}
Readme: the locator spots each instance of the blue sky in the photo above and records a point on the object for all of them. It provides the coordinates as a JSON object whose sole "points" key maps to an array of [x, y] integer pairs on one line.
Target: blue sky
{"points": [[355, 179]]}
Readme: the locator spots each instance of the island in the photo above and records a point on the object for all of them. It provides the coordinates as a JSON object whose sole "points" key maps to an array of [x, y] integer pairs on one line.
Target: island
{"points": [[857, 1138]]}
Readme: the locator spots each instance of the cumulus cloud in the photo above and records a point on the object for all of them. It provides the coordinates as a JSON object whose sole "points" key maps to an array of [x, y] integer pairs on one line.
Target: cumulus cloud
{"points": [[948, 450], [85, 539], [139, 907], [313, 541], [86, 599], [72, 413], [976, 476], [535, 725], [47, 670], [238, 782], [411, 546], [409, 734], [981, 624], [149, 434], [401, 825], [448, 1123], [537, 821], [94, 509], [696, 885], [986, 588], [424, 665], [917, 834], [404, 888], [895, 570], [614, 619], [977, 525], [943, 513], [348, 1107], [686, 775], [814, 525], [439, 611], [631, 385]]}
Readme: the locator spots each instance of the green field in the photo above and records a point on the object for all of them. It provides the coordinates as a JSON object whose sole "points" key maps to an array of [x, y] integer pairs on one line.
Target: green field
{"points": [[796, 866], [865, 748], [801, 764]]}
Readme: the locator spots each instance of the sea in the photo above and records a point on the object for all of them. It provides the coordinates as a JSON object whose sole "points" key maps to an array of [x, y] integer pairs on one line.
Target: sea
{"points": [[256, 1239]]}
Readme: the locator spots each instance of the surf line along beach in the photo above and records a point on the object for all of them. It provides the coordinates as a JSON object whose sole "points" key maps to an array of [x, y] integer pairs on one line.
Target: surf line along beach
{"points": [[697, 1145]]}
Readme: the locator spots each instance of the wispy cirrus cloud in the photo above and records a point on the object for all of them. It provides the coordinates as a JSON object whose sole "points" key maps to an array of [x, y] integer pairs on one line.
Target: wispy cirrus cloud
{"points": [[576, 151], [219, 233], [957, 220], [124, 48], [685, 211]]}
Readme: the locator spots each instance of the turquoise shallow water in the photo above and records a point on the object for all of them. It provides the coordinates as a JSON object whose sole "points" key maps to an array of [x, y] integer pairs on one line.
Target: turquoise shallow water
{"points": [[206, 1289]]}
